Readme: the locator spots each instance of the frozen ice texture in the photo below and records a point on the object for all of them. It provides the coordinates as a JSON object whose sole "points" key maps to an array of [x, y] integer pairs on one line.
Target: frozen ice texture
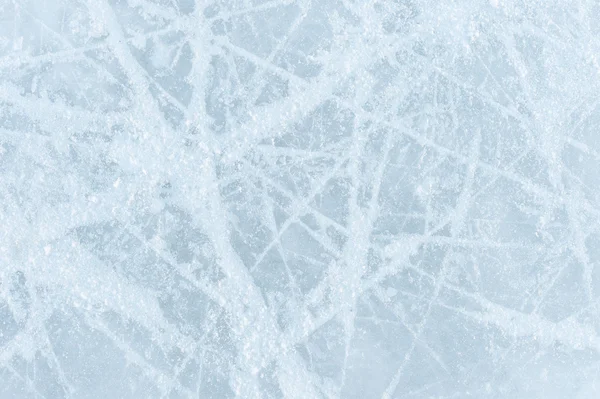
{"points": [[299, 199]]}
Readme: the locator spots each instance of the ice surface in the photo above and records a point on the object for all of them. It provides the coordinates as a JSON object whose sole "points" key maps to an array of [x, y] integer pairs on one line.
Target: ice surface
{"points": [[299, 199]]}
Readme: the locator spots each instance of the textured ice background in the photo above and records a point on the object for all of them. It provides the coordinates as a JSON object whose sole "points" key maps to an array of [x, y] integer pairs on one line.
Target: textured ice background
{"points": [[299, 199]]}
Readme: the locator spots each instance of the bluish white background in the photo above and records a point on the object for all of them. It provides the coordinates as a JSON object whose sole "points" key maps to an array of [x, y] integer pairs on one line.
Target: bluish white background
{"points": [[299, 199]]}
